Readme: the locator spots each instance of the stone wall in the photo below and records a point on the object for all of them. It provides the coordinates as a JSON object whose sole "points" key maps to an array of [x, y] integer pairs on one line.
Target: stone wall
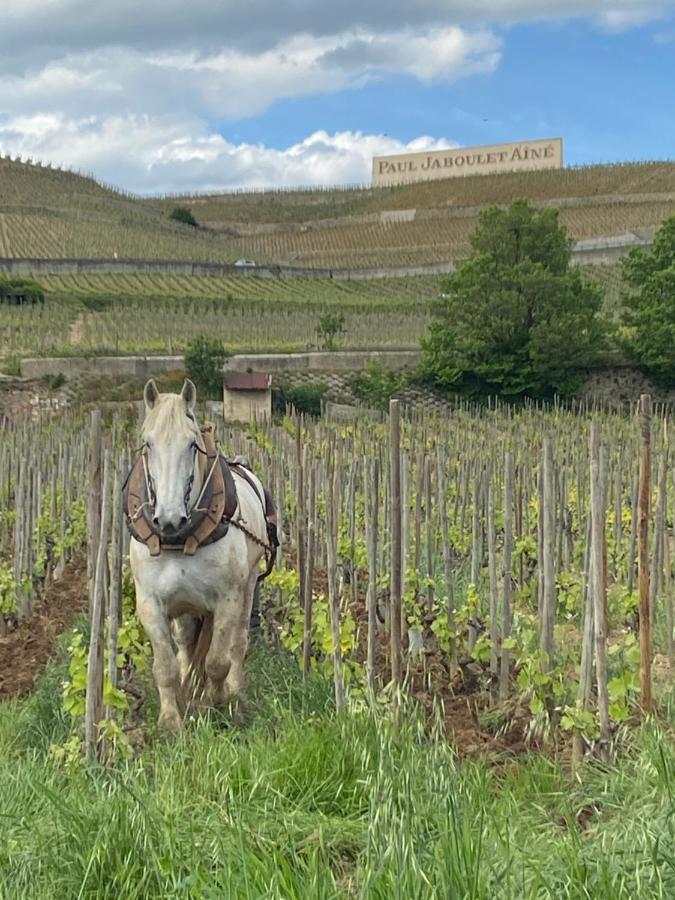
{"points": [[274, 363], [323, 361], [108, 366]]}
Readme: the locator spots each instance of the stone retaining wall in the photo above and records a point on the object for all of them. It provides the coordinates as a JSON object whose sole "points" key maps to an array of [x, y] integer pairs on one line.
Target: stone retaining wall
{"points": [[275, 363]]}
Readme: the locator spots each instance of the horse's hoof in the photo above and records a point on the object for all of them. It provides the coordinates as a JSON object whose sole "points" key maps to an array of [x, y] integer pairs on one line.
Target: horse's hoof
{"points": [[170, 722]]}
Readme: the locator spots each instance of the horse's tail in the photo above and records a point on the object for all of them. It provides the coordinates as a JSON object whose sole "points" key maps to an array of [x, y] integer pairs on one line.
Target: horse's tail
{"points": [[195, 681]]}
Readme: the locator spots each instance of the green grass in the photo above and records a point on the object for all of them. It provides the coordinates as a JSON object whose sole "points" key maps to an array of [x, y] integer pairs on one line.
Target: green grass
{"points": [[298, 802]]}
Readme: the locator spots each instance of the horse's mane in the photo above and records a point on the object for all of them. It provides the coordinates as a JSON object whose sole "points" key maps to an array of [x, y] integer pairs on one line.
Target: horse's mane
{"points": [[168, 418]]}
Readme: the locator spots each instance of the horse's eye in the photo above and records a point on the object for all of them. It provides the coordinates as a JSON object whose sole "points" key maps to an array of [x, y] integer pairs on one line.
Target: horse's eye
{"points": [[190, 416]]}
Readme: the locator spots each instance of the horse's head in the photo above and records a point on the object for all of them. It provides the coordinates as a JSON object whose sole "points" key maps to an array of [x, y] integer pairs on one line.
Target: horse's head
{"points": [[172, 442]]}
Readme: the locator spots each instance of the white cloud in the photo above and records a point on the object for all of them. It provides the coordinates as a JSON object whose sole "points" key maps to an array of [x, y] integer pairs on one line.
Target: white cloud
{"points": [[158, 156], [35, 29], [234, 84], [127, 89]]}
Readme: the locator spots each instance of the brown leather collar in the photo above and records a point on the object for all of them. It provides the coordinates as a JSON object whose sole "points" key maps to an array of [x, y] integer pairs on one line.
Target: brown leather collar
{"points": [[209, 519]]}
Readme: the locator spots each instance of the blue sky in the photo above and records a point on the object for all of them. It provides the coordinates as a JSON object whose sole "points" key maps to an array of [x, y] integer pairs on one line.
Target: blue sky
{"points": [[214, 94], [610, 96]]}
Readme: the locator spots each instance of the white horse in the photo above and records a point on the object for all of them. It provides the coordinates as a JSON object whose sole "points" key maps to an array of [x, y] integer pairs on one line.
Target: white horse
{"points": [[203, 601]]}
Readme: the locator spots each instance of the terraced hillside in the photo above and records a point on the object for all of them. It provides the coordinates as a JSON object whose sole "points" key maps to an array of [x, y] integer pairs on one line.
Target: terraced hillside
{"points": [[52, 214], [299, 206], [163, 313], [138, 313], [49, 213]]}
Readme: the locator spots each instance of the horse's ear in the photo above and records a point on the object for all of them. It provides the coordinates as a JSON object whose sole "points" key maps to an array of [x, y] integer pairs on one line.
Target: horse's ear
{"points": [[150, 394], [189, 394]]}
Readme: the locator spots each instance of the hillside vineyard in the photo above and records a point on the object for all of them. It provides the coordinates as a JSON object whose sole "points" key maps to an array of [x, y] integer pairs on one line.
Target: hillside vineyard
{"points": [[50, 214]]}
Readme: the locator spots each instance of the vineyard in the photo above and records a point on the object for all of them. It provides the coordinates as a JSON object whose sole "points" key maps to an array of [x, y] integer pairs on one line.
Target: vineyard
{"points": [[160, 314], [327, 203], [461, 596], [139, 313], [425, 240], [46, 213]]}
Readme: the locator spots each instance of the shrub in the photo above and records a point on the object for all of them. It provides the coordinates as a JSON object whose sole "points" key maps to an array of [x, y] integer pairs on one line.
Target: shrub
{"points": [[30, 289], [306, 398], [377, 384], [183, 215], [204, 361]]}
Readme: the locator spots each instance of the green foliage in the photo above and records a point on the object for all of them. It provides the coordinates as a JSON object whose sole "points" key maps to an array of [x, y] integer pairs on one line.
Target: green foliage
{"points": [[183, 214], [649, 307], [54, 382], [28, 288], [377, 384], [514, 319], [306, 398], [331, 326], [204, 361], [7, 588]]}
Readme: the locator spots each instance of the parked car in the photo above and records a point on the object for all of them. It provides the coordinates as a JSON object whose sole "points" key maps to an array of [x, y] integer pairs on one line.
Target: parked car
{"points": [[245, 263]]}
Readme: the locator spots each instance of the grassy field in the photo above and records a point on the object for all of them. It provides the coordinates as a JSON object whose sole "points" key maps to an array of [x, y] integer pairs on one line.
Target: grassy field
{"points": [[47, 213], [297, 802]]}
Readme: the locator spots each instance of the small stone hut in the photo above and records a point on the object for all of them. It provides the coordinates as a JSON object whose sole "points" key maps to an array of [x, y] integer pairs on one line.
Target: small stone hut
{"points": [[247, 397]]}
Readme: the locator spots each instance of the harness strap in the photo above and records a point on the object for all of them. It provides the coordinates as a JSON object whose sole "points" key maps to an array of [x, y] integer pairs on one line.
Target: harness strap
{"points": [[210, 517]]}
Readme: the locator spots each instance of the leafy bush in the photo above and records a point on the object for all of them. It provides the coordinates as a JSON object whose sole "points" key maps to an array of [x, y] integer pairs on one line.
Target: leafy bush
{"points": [[183, 215], [204, 361], [28, 287], [306, 398], [514, 318], [377, 384], [54, 382], [649, 309]]}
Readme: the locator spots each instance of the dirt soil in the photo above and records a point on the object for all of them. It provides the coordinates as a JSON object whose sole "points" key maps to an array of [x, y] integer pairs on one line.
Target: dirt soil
{"points": [[24, 652], [463, 696]]}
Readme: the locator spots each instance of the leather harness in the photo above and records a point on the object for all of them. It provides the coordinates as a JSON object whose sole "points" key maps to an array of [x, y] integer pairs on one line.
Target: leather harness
{"points": [[210, 518]]}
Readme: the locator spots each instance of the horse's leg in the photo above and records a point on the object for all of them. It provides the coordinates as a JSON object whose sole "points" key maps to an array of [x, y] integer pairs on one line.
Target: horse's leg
{"points": [[165, 665], [239, 639], [184, 630], [230, 619]]}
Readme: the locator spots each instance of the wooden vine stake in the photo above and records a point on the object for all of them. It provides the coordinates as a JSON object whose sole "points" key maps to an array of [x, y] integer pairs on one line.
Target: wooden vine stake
{"points": [[507, 575], [94, 498], [115, 603], [372, 506], [309, 573], [333, 597], [300, 509], [598, 588], [395, 532], [643, 551], [548, 532], [93, 709]]}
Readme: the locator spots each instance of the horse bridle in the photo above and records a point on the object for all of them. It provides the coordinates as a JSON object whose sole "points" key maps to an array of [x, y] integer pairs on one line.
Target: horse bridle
{"points": [[150, 485]]}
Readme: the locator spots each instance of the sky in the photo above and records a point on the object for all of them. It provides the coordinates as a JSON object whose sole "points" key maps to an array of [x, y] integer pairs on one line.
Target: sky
{"points": [[170, 96]]}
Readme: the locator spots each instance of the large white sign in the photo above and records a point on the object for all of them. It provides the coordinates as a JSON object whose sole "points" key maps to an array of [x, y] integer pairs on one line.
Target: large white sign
{"points": [[520, 156]]}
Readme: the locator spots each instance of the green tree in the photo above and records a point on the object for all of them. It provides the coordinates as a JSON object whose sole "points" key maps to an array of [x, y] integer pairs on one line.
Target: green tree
{"points": [[204, 361], [514, 318], [183, 215], [649, 305], [330, 326]]}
